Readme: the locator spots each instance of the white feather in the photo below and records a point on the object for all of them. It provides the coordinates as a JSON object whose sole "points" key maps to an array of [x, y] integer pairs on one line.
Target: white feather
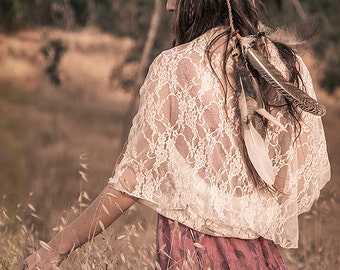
{"points": [[258, 154], [267, 115], [260, 107], [255, 145]]}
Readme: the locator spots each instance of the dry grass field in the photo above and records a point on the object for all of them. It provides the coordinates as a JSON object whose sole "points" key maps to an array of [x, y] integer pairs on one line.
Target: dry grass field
{"points": [[58, 146]]}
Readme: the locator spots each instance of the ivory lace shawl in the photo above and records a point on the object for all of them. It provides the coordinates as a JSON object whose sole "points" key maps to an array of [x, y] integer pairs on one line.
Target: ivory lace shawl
{"points": [[184, 156]]}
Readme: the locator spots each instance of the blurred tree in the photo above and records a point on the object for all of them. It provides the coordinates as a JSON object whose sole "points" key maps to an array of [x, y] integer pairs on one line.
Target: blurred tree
{"points": [[18, 14], [81, 11], [8, 15], [53, 52], [132, 18], [318, 17], [144, 63], [62, 14]]}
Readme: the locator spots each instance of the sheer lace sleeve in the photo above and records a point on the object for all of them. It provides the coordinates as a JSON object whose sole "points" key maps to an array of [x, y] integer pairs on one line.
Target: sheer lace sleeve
{"points": [[313, 165], [185, 155], [145, 153]]}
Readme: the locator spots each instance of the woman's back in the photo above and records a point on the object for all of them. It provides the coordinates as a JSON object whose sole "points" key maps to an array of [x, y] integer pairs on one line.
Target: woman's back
{"points": [[186, 151]]}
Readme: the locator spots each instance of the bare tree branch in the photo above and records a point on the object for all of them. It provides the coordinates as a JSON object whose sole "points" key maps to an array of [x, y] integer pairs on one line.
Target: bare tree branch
{"points": [[299, 9], [148, 46]]}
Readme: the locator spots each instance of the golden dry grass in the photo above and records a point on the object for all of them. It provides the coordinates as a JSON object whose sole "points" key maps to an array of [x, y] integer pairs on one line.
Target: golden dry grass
{"points": [[45, 130]]}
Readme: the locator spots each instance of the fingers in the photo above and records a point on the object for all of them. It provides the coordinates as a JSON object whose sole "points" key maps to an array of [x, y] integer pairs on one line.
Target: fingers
{"points": [[33, 262], [42, 259], [23, 266]]}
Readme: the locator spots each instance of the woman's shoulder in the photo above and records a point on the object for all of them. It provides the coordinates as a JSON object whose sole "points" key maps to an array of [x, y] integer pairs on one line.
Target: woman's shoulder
{"points": [[178, 53], [193, 50]]}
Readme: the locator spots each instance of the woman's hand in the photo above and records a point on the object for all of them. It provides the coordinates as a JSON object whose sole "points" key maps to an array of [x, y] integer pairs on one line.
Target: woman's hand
{"points": [[104, 210], [42, 259]]}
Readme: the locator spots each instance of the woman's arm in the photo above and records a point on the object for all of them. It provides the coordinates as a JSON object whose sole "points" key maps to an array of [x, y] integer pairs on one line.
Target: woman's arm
{"points": [[103, 211]]}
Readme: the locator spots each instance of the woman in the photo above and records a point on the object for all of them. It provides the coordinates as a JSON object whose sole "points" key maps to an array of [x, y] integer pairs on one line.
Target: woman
{"points": [[225, 199]]}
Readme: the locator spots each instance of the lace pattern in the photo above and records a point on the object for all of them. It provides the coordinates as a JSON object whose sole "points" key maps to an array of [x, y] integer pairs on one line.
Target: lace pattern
{"points": [[184, 156]]}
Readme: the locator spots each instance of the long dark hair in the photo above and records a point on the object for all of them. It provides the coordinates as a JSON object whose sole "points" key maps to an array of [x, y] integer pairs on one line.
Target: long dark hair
{"points": [[193, 18]]}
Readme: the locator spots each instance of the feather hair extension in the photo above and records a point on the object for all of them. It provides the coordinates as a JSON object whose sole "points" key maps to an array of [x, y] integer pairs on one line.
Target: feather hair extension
{"points": [[253, 96], [261, 108], [258, 154], [254, 143], [268, 72]]}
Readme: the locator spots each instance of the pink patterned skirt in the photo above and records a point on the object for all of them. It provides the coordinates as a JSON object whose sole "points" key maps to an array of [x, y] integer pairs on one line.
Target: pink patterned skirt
{"points": [[179, 247]]}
